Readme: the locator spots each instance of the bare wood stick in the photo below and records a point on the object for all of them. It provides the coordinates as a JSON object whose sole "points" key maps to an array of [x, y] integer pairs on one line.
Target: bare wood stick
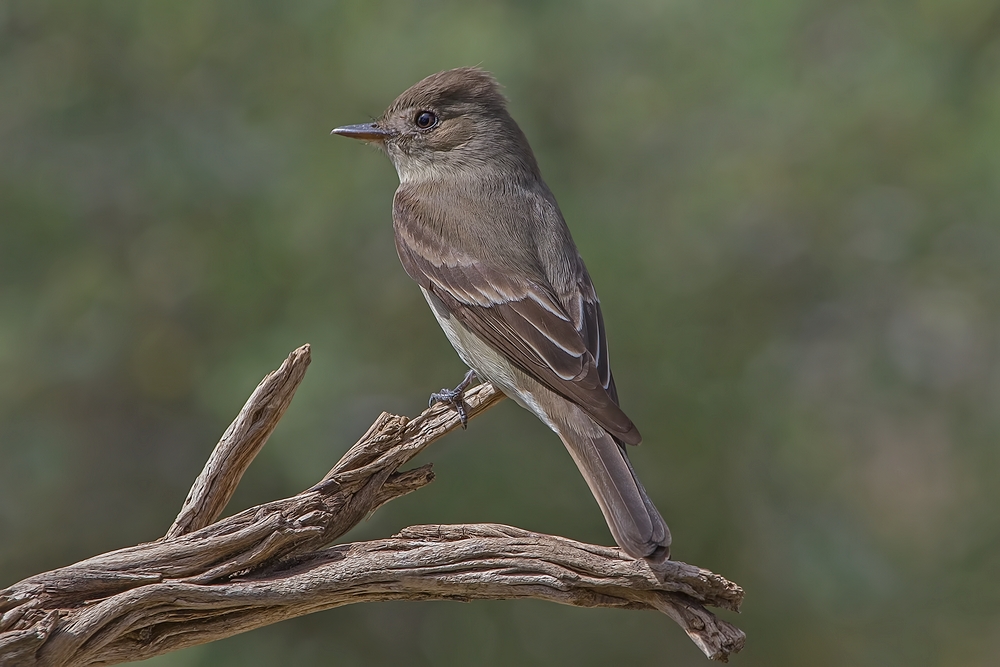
{"points": [[240, 444], [426, 562], [271, 562]]}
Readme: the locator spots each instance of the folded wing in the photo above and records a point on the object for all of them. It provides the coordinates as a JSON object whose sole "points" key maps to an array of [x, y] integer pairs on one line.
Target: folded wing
{"points": [[562, 348]]}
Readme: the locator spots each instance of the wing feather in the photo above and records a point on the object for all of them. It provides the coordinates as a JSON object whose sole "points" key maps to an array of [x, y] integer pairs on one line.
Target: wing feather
{"points": [[521, 317]]}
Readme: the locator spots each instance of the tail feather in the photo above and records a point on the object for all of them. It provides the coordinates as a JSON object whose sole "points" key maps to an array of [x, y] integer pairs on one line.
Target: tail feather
{"points": [[634, 521]]}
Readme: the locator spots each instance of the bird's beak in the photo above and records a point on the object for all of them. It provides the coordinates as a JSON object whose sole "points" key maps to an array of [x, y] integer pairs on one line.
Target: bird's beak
{"points": [[364, 132]]}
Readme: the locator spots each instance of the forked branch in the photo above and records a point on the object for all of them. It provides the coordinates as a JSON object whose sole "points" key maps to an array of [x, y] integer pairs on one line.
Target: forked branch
{"points": [[207, 579]]}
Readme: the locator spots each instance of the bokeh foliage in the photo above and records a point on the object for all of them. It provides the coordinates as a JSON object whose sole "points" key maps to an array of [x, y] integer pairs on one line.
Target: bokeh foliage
{"points": [[791, 211]]}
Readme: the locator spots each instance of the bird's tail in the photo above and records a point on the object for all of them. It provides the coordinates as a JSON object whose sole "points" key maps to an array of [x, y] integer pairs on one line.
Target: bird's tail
{"points": [[635, 522]]}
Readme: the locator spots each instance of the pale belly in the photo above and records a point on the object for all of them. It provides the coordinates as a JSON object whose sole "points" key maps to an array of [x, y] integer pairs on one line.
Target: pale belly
{"points": [[489, 364]]}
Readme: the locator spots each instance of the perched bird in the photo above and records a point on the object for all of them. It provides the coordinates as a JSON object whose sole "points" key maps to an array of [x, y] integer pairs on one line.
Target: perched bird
{"points": [[477, 228]]}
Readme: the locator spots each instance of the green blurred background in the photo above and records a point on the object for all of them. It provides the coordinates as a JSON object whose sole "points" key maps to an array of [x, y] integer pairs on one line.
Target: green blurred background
{"points": [[791, 211]]}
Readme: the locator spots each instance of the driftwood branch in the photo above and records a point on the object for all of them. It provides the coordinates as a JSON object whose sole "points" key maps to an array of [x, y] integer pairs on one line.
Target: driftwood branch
{"points": [[207, 579]]}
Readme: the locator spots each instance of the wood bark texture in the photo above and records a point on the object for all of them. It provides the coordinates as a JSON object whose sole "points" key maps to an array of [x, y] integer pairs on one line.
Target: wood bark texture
{"points": [[207, 579]]}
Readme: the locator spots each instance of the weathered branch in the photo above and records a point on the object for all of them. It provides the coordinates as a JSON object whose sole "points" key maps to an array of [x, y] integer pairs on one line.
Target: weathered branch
{"points": [[240, 444], [209, 579]]}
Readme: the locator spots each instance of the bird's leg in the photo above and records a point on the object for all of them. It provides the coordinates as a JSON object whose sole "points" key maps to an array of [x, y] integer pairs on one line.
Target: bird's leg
{"points": [[453, 397]]}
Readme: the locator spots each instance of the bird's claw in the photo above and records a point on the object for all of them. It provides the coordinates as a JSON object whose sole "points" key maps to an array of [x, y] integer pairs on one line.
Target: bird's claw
{"points": [[455, 398]]}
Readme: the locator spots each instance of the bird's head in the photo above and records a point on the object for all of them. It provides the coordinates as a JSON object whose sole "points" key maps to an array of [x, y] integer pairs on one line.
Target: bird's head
{"points": [[449, 125]]}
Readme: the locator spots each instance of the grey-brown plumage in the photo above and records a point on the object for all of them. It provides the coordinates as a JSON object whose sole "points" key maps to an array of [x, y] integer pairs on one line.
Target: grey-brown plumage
{"points": [[477, 228]]}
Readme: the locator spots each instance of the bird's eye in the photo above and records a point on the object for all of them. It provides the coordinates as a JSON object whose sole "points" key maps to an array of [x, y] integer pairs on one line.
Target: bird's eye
{"points": [[425, 120]]}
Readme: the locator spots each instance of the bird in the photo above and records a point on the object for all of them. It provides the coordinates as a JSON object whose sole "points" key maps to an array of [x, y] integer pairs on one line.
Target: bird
{"points": [[479, 231]]}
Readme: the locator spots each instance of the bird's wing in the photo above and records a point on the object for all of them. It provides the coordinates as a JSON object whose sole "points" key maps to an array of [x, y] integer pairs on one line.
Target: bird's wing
{"points": [[521, 318]]}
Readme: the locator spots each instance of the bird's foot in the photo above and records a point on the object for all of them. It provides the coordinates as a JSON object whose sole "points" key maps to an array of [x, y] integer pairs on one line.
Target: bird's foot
{"points": [[454, 398]]}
